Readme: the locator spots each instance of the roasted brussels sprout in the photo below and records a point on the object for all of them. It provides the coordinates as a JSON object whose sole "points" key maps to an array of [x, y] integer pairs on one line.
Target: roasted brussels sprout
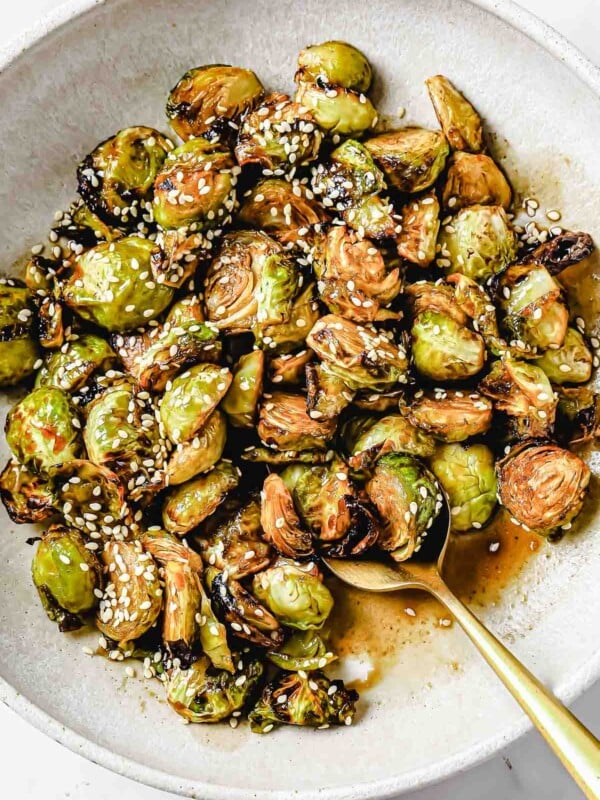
{"points": [[275, 292], [478, 242], [241, 610], [337, 110], [27, 497], [334, 499], [475, 180], [304, 651], [187, 505], [284, 424], [466, 473], [364, 358], [444, 350], [290, 368], [298, 698], [459, 120], [295, 593], [213, 635], [279, 521], [373, 216], [19, 351], [350, 175], [408, 499], [306, 483], [362, 528], [207, 100], [450, 415], [111, 287], [562, 251], [266, 455], [420, 225], [165, 547], [199, 454], [411, 158], [116, 178], [182, 610], [67, 576], [241, 401], [390, 434], [543, 486], [73, 365], [334, 63], [327, 395], [284, 337], [578, 414], [43, 430], [191, 398], [178, 253], [204, 693], [570, 363]]}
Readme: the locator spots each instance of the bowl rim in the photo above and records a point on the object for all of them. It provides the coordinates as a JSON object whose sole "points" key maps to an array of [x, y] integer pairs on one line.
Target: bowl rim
{"points": [[562, 49]]}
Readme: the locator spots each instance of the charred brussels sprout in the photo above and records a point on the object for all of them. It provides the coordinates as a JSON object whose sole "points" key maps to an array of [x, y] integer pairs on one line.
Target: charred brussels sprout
{"points": [[108, 286], [43, 430], [187, 505], [206, 99], [304, 651], [66, 575], [408, 499], [306, 486], [411, 158], [298, 698], [570, 363], [348, 177], [451, 415], [466, 473], [289, 368], [241, 401], [27, 497], [475, 180], [327, 395], [284, 424], [578, 414], [182, 609], [191, 399], [562, 251], [543, 486], [373, 216], [444, 350], [420, 225], [337, 110], [72, 366], [284, 337], [275, 293], [279, 521], [178, 253], [478, 242], [335, 63], [19, 351], [165, 547], [390, 434], [117, 177], [459, 120], [295, 594], [199, 454]]}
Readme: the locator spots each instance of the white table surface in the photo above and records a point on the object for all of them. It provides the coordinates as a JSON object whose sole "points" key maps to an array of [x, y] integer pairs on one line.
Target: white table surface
{"points": [[36, 768]]}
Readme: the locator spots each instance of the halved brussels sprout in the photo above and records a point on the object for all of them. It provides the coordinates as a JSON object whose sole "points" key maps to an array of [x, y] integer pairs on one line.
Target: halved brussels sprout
{"points": [[133, 581], [80, 224], [337, 110], [306, 486], [327, 395], [213, 635], [19, 351], [479, 241], [199, 454], [304, 651], [373, 217], [390, 434], [295, 593], [467, 475], [364, 358], [182, 611], [350, 175], [290, 368], [27, 497], [50, 321], [298, 698], [444, 350], [362, 529], [284, 337], [543, 486], [378, 402], [206, 100], [244, 614], [165, 547], [241, 401], [178, 253], [420, 225], [411, 158], [67, 576], [191, 398], [459, 120], [117, 177], [284, 424], [335, 63], [408, 499], [266, 455], [570, 363], [334, 501], [578, 414], [71, 367], [450, 415], [475, 180], [279, 521], [562, 251], [437, 297], [187, 505], [275, 292], [43, 430], [204, 693], [111, 285]]}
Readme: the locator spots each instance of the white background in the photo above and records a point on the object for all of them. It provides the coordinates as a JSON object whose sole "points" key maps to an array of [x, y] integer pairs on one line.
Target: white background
{"points": [[36, 768]]}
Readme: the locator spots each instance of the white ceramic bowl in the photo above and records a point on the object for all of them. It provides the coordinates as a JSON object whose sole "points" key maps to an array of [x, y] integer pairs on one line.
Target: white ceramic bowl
{"points": [[92, 68]]}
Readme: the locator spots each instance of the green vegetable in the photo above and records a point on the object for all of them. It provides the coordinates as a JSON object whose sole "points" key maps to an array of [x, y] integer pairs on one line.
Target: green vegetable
{"points": [[19, 351], [294, 594]]}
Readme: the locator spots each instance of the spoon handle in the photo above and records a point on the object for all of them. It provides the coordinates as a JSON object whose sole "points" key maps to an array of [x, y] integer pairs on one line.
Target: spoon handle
{"points": [[575, 745]]}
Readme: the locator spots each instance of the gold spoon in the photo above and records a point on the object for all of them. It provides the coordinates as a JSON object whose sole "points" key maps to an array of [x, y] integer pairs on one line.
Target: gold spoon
{"points": [[575, 746]]}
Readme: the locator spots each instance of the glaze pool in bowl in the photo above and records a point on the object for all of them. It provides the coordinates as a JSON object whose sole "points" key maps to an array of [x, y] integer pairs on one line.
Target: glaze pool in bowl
{"points": [[436, 708]]}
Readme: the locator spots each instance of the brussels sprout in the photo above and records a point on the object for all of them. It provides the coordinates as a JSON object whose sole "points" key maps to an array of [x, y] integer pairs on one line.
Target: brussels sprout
{"points": [[110, 286], [466, 473], [543, 486], [298, 698], [207, 99], [67, 576], [43, 430], [178, 253], [187, 505], [191, 398], [475, 180], [571, 363], [327, 394], [459, 120], [242, 398], [213, 635], [306, 486], [411, 158], [450, 415], [19, 352], [199, 454], [373, 217], [80, 224], [284, 424], [444, 350], [420, 226], [275, 291], [116, 178], [284, 337], [266, 455], [478, 242], [290, 368], [165, 547], [285, 210], [295, 594], [334, 63], [390, 434], [378, 402], [437, 297], [244, 614], [578, 414], [133, 579], [204, 693], [337, 110], [304, 651], [408, 499], [50, 322], [353, 280], [364, 358], [334, 502], [348, 177], [362, 530], [180, 626], [561, 251], [70, 368], [27, 497], [279, 521], [279, 135]]}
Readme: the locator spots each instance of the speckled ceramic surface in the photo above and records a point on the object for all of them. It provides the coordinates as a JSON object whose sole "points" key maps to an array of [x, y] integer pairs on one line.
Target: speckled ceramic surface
{"points": [[439, 708]]}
